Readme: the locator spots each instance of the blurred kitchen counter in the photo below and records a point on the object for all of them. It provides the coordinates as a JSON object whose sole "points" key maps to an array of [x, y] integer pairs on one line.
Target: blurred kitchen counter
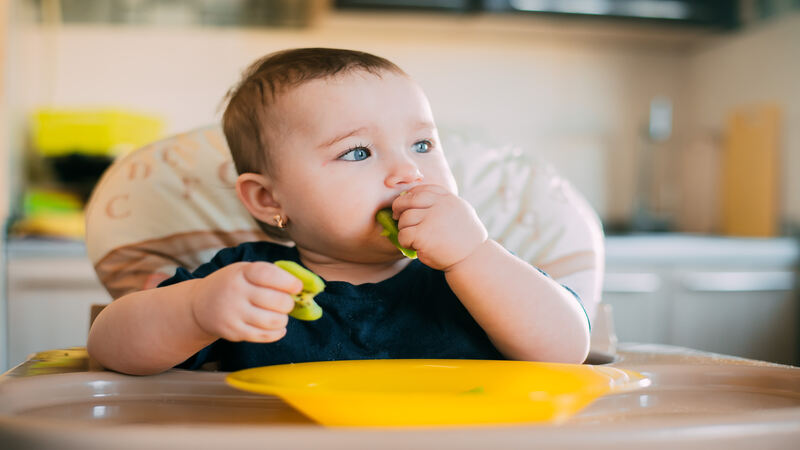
{"points": [[697, 250], [45, 248], [655, 248]]}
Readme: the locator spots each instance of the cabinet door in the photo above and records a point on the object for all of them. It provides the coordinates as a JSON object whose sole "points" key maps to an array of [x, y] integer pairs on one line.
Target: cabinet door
{"points": [[49, 303], [637, 300], [748, 314]]}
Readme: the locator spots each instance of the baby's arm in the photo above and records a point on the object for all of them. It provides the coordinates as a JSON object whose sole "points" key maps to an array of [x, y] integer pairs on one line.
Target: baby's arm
{"points": [[527, 315], [151, 331]]}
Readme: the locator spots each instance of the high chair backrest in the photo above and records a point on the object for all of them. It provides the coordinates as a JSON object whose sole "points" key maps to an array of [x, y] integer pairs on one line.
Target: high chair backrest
{"points": [[173, 203]]}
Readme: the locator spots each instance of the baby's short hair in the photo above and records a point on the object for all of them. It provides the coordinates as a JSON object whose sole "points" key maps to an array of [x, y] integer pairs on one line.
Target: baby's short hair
{"points": [[245, 118]]}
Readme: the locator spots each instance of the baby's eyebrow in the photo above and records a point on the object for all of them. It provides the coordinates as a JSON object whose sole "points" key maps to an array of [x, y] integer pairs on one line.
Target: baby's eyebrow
{"points": [[342, 137], [424, 125]]}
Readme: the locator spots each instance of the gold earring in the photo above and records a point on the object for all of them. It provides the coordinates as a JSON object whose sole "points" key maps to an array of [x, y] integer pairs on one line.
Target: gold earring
{"points": [[279, 221]]}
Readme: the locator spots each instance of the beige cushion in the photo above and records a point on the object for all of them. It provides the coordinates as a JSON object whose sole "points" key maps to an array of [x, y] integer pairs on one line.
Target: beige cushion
{"points": [[535, 213], [166, 205], [173, 204]]}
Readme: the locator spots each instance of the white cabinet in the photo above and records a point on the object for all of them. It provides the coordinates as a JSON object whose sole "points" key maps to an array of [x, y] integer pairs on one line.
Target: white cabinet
{"points": [[731, 296], [752, 314], [639, 304], [51, 287]]}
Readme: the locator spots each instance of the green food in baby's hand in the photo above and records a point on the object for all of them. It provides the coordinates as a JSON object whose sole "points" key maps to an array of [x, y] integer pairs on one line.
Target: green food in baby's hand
{"points": [[390, 230], [305, 308]]}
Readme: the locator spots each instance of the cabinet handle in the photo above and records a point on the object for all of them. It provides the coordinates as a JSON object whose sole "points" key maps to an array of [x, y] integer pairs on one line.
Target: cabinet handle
{"points": [[738, 281], [631, 283]]}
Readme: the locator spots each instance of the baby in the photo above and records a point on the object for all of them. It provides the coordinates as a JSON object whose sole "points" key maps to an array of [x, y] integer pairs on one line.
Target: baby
{"points": [[323, 139]]}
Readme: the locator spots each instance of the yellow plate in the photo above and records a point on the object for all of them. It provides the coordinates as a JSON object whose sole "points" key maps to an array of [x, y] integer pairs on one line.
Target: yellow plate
{"points": [[426, 392]]}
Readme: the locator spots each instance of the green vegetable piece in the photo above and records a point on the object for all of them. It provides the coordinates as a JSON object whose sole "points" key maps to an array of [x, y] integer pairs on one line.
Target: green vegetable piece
{"points": [[390, 230], [305, 308], [475, 390]]}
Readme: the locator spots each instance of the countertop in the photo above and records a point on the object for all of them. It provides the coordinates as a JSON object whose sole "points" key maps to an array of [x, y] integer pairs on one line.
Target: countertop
{"points": [[678, 248], [655, 248]]}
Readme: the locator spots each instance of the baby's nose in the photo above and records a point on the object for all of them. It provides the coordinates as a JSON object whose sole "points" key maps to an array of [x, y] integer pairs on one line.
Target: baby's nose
{"points": [[404, 173]]}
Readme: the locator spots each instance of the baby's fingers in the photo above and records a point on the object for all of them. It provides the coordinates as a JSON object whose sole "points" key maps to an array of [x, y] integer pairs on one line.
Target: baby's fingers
{"points": [[419, 197], [267, 275], [407, 237], [252, 333], [410, 218], [266, 320], [272, 300]]}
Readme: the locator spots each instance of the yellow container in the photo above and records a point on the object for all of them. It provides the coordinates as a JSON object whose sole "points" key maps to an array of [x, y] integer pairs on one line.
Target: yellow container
{"points": [[57, 132], [435, 392]]}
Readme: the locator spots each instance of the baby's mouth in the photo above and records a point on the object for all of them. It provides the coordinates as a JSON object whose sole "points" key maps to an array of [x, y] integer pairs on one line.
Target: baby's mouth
{"points": [[385, 205], [388, 203], [390, 230]]}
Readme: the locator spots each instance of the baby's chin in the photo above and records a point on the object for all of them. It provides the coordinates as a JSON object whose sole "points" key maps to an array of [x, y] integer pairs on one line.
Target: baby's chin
{"points": [[383, 253], [378, 250]]}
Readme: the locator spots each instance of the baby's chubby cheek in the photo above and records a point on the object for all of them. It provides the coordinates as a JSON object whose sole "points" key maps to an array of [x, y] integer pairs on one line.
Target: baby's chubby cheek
{"points": [[444, 178], [348, 221]]}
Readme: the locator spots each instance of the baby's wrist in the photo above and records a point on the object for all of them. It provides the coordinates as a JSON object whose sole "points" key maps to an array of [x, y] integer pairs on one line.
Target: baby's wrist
{"points": [[472, 255], [194, 300]]}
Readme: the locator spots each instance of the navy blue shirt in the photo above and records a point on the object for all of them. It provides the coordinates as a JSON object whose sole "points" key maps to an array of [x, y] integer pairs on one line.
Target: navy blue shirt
{"points": [[413, 314]]}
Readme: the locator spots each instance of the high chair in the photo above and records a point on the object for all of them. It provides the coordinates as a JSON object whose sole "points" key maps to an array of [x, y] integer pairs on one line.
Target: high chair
{"points": [[173, 203]]}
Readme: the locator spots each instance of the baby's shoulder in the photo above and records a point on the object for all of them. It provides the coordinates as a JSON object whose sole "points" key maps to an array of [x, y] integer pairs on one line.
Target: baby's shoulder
{"points": [[254, 251], [244, 252]]}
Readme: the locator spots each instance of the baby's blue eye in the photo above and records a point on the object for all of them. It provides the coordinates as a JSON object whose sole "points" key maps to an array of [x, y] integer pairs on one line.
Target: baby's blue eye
{"points": [[422, 146], [356, 154]]}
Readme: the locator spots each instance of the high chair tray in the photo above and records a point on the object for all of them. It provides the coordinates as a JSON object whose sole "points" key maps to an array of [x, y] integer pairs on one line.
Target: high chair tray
{"points": [[696, 400]]}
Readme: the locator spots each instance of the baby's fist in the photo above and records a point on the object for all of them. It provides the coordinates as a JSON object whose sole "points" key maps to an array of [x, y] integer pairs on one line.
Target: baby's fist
{"points": [[245, 301], [442, 227]]}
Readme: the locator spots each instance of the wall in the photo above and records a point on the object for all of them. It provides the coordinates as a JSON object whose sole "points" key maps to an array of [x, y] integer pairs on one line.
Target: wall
{"points": [[4, 44], [576, 94], [761, 64]]}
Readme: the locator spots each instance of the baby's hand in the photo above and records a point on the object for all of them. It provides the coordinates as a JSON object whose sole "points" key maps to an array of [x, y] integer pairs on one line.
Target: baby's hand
{"points": [[440, 226], [245, 301]]}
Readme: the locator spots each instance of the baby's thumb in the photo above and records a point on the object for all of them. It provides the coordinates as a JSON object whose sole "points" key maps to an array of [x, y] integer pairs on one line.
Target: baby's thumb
{"points": [[263, 274]]}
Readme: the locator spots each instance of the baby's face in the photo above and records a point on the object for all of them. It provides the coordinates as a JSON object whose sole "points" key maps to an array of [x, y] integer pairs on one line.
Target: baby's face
{"points": [[344, 148]]}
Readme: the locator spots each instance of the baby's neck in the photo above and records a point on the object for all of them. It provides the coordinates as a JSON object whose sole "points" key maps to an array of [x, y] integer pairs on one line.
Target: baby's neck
{"points": [[353, 272]]}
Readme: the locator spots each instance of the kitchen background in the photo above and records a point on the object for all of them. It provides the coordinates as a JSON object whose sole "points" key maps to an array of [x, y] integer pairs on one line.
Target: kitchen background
{"points": [[678, 120]]}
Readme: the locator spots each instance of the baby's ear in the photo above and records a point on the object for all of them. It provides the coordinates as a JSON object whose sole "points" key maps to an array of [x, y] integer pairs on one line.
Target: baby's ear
{"points": [[255, 193]]}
